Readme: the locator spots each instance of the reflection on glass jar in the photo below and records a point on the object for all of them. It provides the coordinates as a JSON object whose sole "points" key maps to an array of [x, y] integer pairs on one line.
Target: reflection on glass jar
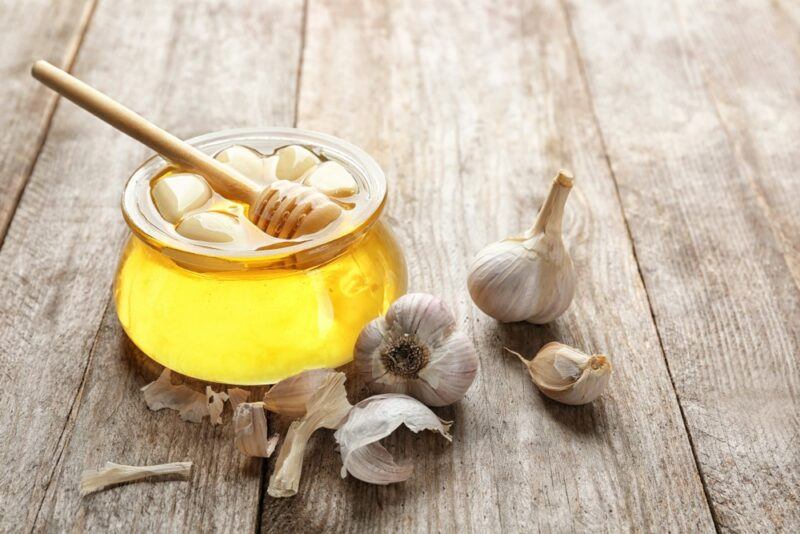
{"points": [[257, 316]]}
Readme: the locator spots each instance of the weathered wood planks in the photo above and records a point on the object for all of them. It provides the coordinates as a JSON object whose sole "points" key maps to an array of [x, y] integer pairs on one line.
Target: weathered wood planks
{"points": [[471, 110], [70, 395], [691, 99], [30, 30]]}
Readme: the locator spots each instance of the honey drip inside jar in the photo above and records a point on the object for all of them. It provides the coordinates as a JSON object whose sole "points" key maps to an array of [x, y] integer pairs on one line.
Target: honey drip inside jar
{"points": [[201, 293]]}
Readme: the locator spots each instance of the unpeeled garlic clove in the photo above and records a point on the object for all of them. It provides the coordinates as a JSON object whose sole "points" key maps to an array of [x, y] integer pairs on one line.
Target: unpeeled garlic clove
{"points": [[370, 421], [250, 430], [290, 396], [417, 350], [528, 278], [177, 194], [212, 227], [332, 179], [243, 159], [568, 375], [294, 161]]}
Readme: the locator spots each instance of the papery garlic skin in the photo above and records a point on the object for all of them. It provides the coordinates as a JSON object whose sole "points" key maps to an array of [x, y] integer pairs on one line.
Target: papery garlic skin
{"points": [[290, 396], [528, 278], [373, 419], [568, 375], [250, 430], [416, 350]]}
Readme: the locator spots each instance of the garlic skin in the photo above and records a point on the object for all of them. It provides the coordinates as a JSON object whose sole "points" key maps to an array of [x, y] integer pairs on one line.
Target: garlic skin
{"points": [[567, 375], [529, 278], [290, 396], [373, 419], [250, 431], [416, 350]]}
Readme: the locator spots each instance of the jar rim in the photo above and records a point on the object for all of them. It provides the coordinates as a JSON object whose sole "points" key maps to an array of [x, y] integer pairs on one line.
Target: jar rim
{"points": [[365, 168]]}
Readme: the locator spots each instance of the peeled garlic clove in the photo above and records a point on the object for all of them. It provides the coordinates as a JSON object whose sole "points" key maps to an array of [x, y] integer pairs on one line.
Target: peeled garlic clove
{"points": [[250, 430], [212, 227], [290, 396], [243, 159], [269, 169], [177, 194], [417, 350], [372, 420], [529, 278], [332, 179], [326, 408], [568, 375], [294, 161]]}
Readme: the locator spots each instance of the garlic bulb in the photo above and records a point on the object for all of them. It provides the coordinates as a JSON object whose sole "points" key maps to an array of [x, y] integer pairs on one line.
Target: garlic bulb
{"points": [[416, 350], [528, 278], [568, 375]]}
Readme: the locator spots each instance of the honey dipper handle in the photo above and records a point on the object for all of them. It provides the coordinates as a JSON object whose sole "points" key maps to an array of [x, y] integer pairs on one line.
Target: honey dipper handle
{"points": [[223, 179]]}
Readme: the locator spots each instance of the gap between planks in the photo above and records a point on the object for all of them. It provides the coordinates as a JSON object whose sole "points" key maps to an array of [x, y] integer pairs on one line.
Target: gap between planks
{"points": [[601, 135]]}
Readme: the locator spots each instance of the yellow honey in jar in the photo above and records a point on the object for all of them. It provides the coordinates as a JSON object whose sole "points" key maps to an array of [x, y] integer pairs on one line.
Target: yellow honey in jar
{"points": [[258, 310]]}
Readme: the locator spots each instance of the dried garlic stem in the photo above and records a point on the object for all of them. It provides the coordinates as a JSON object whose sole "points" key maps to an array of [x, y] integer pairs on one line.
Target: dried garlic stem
{"points": [[112, 474], [325, 409]]}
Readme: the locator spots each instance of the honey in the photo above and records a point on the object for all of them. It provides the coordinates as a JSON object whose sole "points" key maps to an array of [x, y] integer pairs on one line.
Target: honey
{"points": [[257, 309]]}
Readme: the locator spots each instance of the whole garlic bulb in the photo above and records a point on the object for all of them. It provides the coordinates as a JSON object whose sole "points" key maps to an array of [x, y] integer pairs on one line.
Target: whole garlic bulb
{"points": [[416, 350], [568, 375], [528, 278]]}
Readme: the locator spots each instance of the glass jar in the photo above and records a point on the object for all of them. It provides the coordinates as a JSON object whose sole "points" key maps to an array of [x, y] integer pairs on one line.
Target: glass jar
{"points": [[257, 316]]}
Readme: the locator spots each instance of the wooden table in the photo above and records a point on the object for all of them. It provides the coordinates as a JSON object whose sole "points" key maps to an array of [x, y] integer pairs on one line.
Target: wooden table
{"points": [[680, 121]]}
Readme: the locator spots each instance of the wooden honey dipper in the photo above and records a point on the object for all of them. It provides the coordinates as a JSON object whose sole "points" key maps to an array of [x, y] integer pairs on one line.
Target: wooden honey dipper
{"points": [[282, 209]]}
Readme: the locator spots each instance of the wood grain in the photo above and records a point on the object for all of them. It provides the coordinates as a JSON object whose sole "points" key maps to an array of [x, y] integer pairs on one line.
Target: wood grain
{"points": [[692, 101], [70, 396], [471, 109], [29, 30]]}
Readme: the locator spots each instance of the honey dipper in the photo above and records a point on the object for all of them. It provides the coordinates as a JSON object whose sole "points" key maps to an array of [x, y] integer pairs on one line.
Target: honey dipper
{"points": [[282, 209]]}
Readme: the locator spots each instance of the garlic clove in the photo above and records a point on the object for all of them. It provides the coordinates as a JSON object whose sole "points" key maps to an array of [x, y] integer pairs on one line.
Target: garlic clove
{"points": [[243, 159], [529, 278], [326, 408], [568, 375], [212, 227], [250, 431], [294, 161], [370, 421], [416, 350], [112, 474], [290, 396], [269, 169], [332, 179], [177, 194]]}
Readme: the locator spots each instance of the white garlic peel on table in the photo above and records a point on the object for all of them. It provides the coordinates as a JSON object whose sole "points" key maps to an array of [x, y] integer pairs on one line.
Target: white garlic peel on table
{"points": [[417, 350], [373, 419], [531, 277], [567, 375]]}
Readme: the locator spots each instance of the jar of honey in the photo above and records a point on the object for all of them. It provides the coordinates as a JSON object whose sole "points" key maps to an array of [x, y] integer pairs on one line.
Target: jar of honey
{"points": [[205, 293]]}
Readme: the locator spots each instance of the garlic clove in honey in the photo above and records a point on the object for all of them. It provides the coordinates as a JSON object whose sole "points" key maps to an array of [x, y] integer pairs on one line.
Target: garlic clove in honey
{"points": [[294, 161], [269, 169], [177, 194], [243, 159], [568, 375], [332, 179], [211, 226], [417, 350], [531, 277]]}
